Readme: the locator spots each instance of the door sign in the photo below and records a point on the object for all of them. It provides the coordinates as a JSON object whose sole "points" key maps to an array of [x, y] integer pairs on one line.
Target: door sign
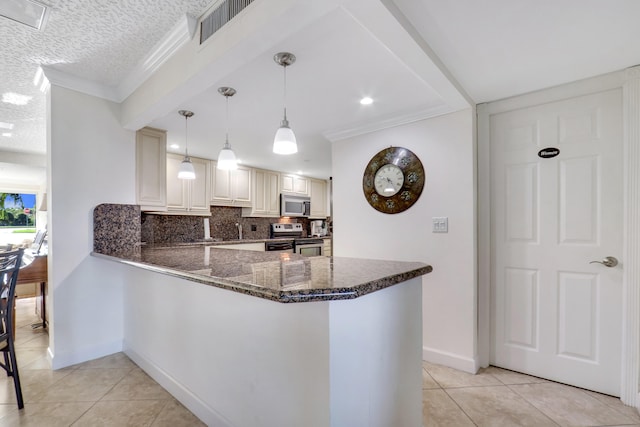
{"points": [[547, 153]]}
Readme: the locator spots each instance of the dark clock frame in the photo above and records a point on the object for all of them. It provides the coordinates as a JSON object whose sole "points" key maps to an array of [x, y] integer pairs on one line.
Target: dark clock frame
{"points": [[414, 180]]}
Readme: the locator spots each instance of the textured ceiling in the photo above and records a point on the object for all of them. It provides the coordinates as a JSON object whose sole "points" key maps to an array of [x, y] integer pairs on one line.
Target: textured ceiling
{"points": [[99, 40], [494, 49]]}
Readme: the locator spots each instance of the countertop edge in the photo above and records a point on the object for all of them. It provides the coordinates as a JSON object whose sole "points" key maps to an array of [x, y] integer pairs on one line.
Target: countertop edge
{"points": [[293, 296]]}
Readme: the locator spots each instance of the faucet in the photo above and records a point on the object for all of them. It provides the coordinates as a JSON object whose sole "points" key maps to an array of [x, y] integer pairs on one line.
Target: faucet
{"points": [[239, 226]]}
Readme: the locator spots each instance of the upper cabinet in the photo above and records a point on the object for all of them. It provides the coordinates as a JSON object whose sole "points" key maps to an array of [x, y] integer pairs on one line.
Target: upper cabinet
{"points": [[265, 194], [230, 187], [151, 170], [318, 193], [188, 196], [294, 184]]}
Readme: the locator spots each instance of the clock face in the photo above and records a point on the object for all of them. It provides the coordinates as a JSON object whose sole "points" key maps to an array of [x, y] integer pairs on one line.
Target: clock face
{"points": [[393, 180], [388, 180]]}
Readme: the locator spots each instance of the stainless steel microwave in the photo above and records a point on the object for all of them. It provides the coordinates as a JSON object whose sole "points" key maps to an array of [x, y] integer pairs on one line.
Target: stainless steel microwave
{"points": [[291, 205]]}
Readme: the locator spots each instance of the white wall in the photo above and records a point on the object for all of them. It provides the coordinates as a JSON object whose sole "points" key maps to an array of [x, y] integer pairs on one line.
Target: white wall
{"points": [[91, 160], [445, 146]]}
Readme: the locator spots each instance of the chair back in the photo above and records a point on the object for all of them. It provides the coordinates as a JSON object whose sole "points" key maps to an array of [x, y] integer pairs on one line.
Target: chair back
{"points": [[10, 263]]}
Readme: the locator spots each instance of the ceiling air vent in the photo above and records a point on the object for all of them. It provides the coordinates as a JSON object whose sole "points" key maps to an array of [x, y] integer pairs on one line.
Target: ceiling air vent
{"points": [[220, 16]]}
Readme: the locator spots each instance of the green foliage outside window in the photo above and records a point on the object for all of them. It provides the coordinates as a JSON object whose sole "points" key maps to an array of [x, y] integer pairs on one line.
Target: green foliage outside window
{"points": [[17, 210]]}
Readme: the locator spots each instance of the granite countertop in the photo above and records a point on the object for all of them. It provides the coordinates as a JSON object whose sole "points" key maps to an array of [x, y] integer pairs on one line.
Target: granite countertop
{"points": [[216, 242], [282, 277]]}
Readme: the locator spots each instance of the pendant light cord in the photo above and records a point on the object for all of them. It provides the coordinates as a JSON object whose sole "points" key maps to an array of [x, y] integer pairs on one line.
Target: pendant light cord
{"points": [[226, 139], [186, 138], [284, 100]]}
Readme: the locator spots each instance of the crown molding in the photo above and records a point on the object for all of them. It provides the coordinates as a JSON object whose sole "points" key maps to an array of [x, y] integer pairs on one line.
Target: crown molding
{"points": [[79, 84], [178, 36], [388, 122]]}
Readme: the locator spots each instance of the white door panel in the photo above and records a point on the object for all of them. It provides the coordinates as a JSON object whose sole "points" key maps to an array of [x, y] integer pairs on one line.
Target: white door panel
{"points": [[553, 314]]}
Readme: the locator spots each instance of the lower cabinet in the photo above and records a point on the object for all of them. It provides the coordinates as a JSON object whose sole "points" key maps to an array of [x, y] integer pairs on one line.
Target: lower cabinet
{"points": [[326, 250], [255, 246], [188, 196]]}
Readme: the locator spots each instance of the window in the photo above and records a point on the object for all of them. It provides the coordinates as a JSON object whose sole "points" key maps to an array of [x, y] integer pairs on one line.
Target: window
{"points": [[17, 210]]}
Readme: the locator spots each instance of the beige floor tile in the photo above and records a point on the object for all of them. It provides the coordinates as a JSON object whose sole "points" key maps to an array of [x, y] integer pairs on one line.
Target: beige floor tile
{"points": [[176, 415], [439, 410], [137, 385], [498, 406], [83, 385], [46, 414], [27, 356], [448, 377], [616, 403], [137, 413], [510, 377], [112, 361], [569, 406], [40, 363], [427, 381], [35, 382], [35, 341]]}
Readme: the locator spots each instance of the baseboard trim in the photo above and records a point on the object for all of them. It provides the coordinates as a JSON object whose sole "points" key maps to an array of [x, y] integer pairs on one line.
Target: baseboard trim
{"points": [[192, 402], [451, 360], [62, 360]]}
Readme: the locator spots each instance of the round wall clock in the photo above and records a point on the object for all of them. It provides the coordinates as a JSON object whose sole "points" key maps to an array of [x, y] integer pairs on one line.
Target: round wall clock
{"points": [[393, 180]]}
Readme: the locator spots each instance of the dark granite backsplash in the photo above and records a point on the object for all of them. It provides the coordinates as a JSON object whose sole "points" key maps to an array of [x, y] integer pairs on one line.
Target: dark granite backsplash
{"points": [[222, 225], [116, 228]]}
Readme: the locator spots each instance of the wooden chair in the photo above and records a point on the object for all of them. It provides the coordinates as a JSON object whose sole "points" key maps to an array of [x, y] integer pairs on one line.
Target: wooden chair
{"points": [[10, 263]]}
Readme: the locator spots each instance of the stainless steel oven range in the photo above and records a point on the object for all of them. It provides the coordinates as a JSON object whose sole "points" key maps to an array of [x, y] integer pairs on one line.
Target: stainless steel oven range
{"points": [[301, 245]]}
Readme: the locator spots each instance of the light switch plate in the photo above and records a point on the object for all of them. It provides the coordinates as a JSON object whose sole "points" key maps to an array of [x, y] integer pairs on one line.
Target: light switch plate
{"points": [[440, 224]]}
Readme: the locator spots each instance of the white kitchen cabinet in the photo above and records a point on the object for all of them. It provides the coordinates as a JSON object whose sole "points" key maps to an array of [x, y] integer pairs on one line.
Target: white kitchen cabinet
{"points": [[253, 246], [151, 169], [230, 187], [326, 250], [318, 193], [265, 194], [294, 184], [188, 196]]}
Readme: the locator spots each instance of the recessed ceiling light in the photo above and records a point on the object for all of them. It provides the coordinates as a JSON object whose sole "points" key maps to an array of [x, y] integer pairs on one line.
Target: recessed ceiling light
{"points": [[366, 101], [4, 125], [15, 98], [174, 146], [7, 134], [27, 12]]}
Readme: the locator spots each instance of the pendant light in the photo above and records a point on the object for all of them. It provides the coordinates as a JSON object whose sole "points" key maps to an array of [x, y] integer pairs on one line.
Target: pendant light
{"points": [[227, 158], [186, 167], [285, 140]]}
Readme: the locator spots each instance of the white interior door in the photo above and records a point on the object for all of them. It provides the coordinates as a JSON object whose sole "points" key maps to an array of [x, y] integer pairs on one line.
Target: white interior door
{"points": [[555, 315]]}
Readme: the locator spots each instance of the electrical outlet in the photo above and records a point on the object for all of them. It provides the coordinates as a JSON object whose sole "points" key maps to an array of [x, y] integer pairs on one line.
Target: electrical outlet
{"points": [[440, 224]]}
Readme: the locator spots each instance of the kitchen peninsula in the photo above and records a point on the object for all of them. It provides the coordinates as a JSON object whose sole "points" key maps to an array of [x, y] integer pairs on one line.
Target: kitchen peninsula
{"points": [[208, 325]]}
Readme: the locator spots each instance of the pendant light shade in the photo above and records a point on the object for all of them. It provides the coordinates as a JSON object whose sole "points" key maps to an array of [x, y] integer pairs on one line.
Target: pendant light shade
{"points": [[285, 140], [227, 158], [186, 167]]}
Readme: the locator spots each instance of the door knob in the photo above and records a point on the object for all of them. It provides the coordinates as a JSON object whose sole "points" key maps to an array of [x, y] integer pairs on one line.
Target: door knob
{"points": [[607, 261]]}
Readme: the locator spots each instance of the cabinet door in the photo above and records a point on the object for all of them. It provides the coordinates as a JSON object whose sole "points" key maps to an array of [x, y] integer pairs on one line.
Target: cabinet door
{"points": [[318, 198], [230, 187], [177, 198], [272, 193], [220, 186], [241, 186], [265, 194], [199, 187], [151, 170], [294, 184]]}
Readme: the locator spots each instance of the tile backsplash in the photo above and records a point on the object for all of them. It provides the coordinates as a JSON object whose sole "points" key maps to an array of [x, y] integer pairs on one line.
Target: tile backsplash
{"points": [[222, 225]]}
